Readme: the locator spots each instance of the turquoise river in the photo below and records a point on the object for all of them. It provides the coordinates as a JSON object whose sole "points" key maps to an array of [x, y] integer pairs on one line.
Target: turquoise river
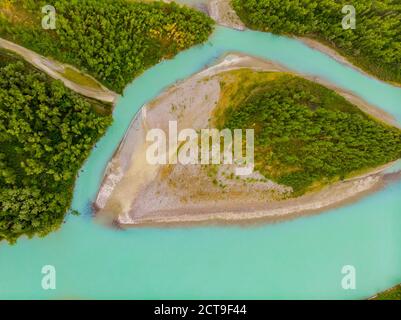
{"points": [[301, 259]]}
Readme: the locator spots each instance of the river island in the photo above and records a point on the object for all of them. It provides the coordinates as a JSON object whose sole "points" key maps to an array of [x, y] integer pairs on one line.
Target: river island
{"points": [[291, 177]]}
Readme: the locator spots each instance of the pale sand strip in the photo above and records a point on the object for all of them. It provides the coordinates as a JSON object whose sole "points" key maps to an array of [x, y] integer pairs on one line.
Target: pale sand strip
{"points": [[279, 210], [55, 69], [249, 218], [222, 12], [317, 45]]}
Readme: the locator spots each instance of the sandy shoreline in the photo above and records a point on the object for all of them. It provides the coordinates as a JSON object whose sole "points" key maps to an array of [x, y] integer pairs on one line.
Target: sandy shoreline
{"points": [[263, 219], [317, 45], [129, 178], [222, 12], [331, 197]]}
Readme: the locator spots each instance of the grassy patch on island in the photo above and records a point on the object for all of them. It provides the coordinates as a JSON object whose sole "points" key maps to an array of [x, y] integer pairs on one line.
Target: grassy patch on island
{"points": [[80, 78]]}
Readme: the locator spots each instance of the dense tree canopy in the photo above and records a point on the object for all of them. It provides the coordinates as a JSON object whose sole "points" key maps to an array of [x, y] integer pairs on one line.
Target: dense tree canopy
{"points": [[375, 44], [114, 40], [46, 132], [307, 135]]}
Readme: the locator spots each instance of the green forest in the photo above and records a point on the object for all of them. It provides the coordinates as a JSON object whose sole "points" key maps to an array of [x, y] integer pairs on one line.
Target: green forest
{"points": [[374, 45], [46, 133], [306, 135], [113, 40]]}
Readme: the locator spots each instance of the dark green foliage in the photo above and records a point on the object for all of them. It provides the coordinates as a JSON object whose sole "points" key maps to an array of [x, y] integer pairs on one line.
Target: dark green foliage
{"points": [[307, 135], [391, 294], [374, 45], [46, 133], [114, 40]]}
